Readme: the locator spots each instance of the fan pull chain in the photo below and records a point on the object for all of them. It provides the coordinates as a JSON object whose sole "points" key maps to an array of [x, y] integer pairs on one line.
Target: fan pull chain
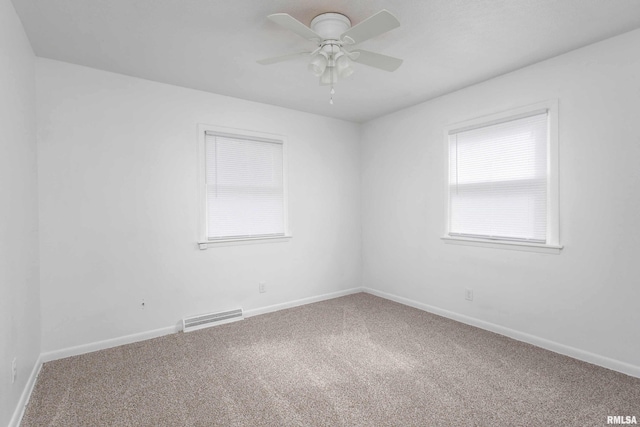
{"points": [[332, 64]]}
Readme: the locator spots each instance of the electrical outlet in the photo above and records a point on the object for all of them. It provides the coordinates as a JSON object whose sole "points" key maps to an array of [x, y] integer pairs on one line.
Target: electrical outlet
{"points": [[468, 294], [262, 287], [14, 370]]}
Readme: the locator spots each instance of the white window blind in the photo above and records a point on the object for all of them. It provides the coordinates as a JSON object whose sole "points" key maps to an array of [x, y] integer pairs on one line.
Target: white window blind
{"points": [[245, 188], [498, 180]]}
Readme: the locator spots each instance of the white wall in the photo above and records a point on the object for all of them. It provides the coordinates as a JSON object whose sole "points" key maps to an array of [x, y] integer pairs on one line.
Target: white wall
{"points": [[586, 297], [118, 205], [19, 291]]}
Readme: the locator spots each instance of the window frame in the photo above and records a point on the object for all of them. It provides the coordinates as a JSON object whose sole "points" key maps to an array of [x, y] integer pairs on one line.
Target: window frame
{"points": [[552, 244], [203, 240]]}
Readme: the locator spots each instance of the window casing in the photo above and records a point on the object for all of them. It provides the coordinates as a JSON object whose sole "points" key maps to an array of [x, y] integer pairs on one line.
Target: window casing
{"points": [[502, 180], [243, 186]]}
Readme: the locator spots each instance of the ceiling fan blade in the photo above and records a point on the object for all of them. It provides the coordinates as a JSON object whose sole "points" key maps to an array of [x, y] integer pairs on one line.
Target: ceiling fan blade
{"points": [[377, 60], [292, 24], [373, 26], [282, 58]]}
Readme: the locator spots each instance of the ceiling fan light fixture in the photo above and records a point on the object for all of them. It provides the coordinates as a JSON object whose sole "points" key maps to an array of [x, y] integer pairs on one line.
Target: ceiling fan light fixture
{"points": [[345, 72], [318, 64], [329, 77], [344, 66]]}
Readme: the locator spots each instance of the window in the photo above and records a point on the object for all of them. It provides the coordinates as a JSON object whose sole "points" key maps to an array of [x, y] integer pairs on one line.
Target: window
{"points": [[502, 180], [243, 186]]}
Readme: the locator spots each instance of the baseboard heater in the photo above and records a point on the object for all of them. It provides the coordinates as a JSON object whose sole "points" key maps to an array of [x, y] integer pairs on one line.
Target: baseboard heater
{"points": [[212, 319]]}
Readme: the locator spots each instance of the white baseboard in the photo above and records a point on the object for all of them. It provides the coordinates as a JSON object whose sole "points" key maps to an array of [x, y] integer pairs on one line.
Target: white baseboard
{"points": [[102, 345], [576, 353], [128, 339], [303, 301], [26, 394]]}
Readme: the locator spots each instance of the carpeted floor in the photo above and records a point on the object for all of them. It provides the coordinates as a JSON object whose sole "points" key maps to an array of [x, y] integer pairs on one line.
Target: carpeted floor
{"points": [[352, 361]]}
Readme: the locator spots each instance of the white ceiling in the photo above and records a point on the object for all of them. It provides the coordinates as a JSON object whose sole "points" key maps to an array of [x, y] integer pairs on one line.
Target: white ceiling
{"points": [[213, 45]]}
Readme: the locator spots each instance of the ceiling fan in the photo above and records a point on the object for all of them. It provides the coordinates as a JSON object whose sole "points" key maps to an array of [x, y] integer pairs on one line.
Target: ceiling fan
{"points": [[334, 36]]}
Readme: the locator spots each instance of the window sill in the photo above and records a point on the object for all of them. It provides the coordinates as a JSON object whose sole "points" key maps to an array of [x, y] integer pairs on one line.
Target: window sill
{"points": [[244, 241], [515, 246]]}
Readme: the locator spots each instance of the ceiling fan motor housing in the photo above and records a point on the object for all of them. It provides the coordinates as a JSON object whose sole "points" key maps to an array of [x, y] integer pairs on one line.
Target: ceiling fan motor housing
{"points": [[330, 25]]}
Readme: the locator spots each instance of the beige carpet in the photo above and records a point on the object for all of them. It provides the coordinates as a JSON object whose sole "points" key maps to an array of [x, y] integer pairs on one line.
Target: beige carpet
{"points": [[352, 361]]}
